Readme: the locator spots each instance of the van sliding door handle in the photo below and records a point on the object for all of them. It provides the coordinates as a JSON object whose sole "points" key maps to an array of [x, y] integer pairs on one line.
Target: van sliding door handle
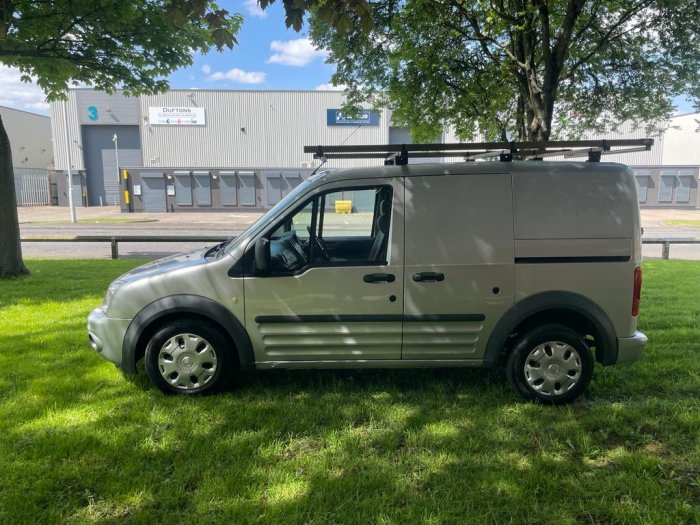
{"points": [[379, 278], [428, 277]]}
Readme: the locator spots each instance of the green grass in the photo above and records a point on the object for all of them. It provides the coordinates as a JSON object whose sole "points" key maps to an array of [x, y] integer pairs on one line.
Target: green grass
{"points": [[681, 222], [81, 443]]}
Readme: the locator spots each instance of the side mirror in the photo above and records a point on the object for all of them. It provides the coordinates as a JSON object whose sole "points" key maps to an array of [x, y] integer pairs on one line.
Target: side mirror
{"points": [[262, 255]]}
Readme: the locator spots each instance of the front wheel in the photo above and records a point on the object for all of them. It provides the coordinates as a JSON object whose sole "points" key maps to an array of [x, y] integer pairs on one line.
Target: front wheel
{"points": [[551, 364], [189, 357]]}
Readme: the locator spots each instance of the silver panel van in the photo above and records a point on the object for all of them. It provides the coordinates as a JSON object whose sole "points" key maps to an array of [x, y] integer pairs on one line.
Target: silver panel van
{"points": [[533, 266]]}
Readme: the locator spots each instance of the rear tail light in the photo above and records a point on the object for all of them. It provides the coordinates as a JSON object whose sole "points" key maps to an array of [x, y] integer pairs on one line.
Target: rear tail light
{"points": [[637, 291]]}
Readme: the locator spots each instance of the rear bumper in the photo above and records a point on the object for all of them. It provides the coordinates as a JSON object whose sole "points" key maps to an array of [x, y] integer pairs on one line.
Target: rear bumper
{"points": [[630, 349]]}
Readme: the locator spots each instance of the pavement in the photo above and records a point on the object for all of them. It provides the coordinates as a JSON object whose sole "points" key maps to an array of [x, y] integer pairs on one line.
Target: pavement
{"points": [[109, 220]]}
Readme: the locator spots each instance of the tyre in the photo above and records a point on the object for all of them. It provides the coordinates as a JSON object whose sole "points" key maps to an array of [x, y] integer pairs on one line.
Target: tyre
{"points": [[551, 364], [189, 357]]}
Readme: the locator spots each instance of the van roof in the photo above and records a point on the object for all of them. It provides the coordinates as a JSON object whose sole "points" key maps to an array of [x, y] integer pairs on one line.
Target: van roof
{"points": [[469, 168]]}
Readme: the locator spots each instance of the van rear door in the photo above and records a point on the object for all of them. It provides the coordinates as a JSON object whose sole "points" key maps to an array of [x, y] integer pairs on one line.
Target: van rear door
{"points": [[458, 263]]}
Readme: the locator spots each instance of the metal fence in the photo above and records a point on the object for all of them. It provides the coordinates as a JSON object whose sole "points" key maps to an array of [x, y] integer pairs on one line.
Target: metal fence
{"points": [[114, 240], [32, 187]]}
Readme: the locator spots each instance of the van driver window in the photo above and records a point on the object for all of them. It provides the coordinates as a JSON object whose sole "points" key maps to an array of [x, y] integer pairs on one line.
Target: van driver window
{"points": [[347, 226]]}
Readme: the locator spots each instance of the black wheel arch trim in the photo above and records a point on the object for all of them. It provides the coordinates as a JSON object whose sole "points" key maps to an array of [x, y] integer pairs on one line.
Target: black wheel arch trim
{"points": [[186, 304], [606, 348]]}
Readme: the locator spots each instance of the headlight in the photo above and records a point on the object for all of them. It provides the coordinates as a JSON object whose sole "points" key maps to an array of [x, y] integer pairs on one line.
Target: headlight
{"points": [[110, 292]]}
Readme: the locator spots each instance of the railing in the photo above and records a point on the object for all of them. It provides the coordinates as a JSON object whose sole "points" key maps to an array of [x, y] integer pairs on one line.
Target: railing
{"points": [[114, 240], [666, 243]]}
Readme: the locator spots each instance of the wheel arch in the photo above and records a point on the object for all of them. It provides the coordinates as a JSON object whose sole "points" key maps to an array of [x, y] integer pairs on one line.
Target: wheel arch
{"points": [[174, 307], [567, 308]]}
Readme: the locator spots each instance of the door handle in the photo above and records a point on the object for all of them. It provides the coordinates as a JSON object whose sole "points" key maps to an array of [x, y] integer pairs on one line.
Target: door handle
{"points": [[379, 278], [428, 277]]}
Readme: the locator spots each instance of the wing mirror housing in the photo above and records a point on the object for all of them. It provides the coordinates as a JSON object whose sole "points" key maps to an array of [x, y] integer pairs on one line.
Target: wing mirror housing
{"points": [[262, 255]]}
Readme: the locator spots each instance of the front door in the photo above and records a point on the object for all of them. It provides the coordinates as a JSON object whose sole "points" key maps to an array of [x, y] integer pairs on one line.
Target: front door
{"points": [[333, 289]]}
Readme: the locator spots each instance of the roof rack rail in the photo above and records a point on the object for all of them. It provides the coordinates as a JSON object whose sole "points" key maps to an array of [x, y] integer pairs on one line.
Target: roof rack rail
{"points": [[398, 154]]}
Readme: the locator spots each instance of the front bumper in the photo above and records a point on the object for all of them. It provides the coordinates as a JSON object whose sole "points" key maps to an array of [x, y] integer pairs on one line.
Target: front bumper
{"points": [[630, 349], [106, 335]]}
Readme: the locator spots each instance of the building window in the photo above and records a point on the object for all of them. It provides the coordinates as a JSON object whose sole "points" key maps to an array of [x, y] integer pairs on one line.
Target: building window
{"points": [[202, 187], [666, 187], [642, 185], [183, 188], [227, 186], [246, 183], [683, 189]]}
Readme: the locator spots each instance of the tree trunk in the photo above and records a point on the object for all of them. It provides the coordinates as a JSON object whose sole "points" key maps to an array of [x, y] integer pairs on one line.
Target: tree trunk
{"points": [[11, 263]]}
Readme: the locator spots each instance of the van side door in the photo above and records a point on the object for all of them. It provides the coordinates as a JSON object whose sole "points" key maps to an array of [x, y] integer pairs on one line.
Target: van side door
{"points": [[335, 282], [459, 263]]}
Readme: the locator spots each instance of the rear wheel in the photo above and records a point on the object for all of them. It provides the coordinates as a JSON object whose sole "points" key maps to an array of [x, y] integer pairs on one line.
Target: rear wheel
{"points": [[551, 364], [189, 357]]}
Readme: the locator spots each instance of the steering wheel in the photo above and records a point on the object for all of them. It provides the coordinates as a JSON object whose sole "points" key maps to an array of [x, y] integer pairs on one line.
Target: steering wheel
{"points": [[321, 246]]}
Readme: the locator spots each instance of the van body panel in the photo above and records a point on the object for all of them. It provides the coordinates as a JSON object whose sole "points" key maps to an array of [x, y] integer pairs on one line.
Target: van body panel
{"points": [[575, 201], [467, 241], [279, 314], [608, 284], [330, 312], [534, 249]]}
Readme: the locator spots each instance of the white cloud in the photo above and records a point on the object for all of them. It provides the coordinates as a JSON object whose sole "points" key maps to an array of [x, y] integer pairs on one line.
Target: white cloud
{"points": [[206, 69], [18, 94], [235, 75], [330, 87], [299, 52], [254, 9]]}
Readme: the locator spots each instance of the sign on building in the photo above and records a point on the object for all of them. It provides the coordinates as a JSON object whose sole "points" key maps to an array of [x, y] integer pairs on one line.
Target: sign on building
{"points": [[170, 116], [365, 117]]}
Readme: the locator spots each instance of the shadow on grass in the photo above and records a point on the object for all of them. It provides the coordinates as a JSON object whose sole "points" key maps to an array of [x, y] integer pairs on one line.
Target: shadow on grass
{"points": [[82, 445]]}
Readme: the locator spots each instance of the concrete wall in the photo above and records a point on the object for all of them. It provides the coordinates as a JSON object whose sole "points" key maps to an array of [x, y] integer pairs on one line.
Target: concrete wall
{"points": [[679, 195], [30, 138]]}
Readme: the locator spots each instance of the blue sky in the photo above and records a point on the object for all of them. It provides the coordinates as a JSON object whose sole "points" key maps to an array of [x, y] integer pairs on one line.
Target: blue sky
{"points": [[268, 56]]}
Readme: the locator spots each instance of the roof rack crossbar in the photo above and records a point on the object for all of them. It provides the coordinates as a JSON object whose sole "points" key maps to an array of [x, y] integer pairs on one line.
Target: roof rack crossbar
{"points": [[399, 153]]}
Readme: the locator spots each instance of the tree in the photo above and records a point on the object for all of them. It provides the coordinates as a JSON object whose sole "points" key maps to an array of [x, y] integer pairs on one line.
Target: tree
{"points": [[108, 44], [520, 69]]}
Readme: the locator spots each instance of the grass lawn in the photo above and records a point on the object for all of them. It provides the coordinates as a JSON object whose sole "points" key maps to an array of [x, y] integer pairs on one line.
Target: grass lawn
{"points": [[681, 222], [80, 443]]}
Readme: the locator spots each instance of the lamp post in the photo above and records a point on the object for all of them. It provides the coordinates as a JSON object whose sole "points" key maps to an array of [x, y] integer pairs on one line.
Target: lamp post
{"points": [[71, 205], [115, 139]]}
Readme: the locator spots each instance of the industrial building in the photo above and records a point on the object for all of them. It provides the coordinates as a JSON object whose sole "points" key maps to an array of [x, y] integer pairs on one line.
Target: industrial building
{"points": [[32, 154], [225, 150]]}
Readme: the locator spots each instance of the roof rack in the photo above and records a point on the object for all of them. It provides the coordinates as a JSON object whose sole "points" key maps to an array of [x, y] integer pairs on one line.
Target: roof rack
{"points": [[399, 154]]}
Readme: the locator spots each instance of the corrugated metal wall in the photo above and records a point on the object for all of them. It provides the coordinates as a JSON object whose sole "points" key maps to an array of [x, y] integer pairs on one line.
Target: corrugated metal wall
{"points": [[59, 135], [30, 138], [627, 131], [261, 129]]}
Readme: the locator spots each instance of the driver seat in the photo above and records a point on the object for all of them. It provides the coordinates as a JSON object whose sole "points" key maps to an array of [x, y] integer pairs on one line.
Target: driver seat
{"points": [[378, 251]]}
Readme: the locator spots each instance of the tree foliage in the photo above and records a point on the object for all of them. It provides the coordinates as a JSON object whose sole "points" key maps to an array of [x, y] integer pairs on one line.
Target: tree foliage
{"points": [[517, 68], [107, 44]]}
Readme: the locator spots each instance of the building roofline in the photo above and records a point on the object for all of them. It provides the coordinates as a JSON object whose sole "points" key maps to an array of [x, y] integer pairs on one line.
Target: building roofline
{"points": [[25, 111]]}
